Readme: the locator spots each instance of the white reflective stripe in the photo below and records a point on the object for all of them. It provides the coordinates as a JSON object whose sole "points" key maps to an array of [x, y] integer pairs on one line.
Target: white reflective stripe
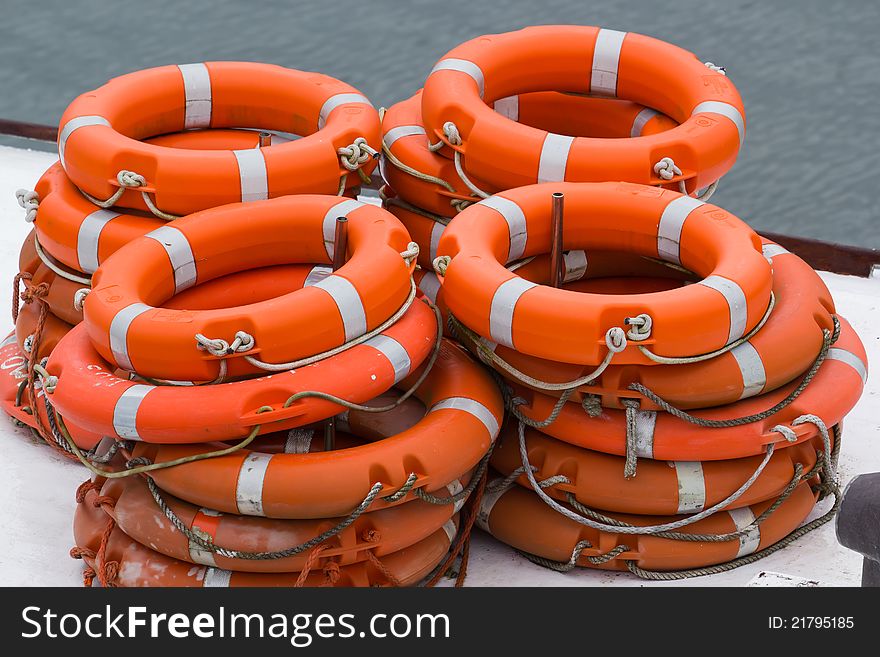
{"points": [[724, 109], [487, 503], [119, 333], [751, 367], [463, 66], [126, 409], [328, 226], [749, 541], [691, 486], [508, 107], [336, 101], [436, 232], [670, 226], [473, 407], [400, 132], [76, 124], [317, 274], [606, 58], [370, 196], [249, 488], [848, 357], [736, 304], [516, 223], [179, 251], [252, 174], [197, 553], [348, 301], [770, 251], [430, 285], [299, 441], [645, 423], [394, 352], [454, 487], [554, 157], [575, 265], [216, 578], [88, 237], [450, 529], [197, 91], [641, 120], [503, 304]]}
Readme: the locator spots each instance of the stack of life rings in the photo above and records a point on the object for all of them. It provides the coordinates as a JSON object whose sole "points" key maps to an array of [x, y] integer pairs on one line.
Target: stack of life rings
{"points": [[234, 345], [675, 384]]}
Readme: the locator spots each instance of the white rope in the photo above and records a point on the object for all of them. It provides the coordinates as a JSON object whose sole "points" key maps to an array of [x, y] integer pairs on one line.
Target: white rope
{"points": [[79, 298], [640, 327], [354, 156], [453, 136], [440, 264], [130, 180], [49, 262], [30, 201], [219, 347], [666, 168], [717, 69], [411, 254]]}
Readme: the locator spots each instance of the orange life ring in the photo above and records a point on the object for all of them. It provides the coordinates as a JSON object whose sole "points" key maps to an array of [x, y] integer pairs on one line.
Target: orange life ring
{"points": [[82, 236], [129, 329], [135, 410], [405, 138], [519, 518], [100, 132], [660, 488], [54, 329], [13, 373], [139, 566], [779, 352], [463, 418], [831, 394], [459, 92], [380, 534], [62, 290], [730, 300]]}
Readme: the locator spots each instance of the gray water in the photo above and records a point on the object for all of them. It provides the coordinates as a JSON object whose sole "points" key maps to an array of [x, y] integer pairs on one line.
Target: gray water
{"points": [[808, 71]]}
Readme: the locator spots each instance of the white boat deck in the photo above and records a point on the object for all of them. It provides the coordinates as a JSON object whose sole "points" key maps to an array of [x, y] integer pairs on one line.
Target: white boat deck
{"points": [[37, 490]]}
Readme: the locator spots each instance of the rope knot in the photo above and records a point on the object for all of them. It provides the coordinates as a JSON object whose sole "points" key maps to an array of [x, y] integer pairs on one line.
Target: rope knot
{"points": [[441, 263], [77, 552], [331, 573], [219, 347], [640, 327], [79, 298], [411, 253], [717, 69], [450, 131], [104, 501], [84, 488], [459, 204], [130, 179], [110, 569], [371, 535], [353, 157], [31, 292], [786, 432], [615, 339], [30, 201], [666, 168]]}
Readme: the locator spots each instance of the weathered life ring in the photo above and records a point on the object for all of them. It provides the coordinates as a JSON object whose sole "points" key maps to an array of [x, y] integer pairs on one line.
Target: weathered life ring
{"points": [[517, 516], [129, 328], [13, 374], [831, 394], [54, 329], [464, 412], [461, 88], [405, 138], [661, 487], [730, 300], [100, 133]]}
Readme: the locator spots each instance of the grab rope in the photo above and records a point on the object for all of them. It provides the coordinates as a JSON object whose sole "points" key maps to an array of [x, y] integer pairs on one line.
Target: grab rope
{"points": [[400, 203], [57, 269], [29, 200], [130, 180]]}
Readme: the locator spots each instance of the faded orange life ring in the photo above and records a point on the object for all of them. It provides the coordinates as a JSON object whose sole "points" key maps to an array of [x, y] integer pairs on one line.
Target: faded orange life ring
{"points": [[464, 412], [54, 329], [13, 374], [128, 326], [730, 300], [831, 394], [100, 133], [461, 88]]}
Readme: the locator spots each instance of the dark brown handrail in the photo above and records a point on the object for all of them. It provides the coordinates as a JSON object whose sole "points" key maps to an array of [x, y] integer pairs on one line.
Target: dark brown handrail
{"points": [[837, 258]]}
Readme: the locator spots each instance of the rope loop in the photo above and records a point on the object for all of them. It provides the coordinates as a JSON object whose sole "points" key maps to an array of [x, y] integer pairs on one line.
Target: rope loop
{"points": [[79, 298], [354, 156], [441, 263], [130, 179], [666, 168], [411, 253], [450, 131], [615, 340], [30, 201], [219, 347], [640, 327]]}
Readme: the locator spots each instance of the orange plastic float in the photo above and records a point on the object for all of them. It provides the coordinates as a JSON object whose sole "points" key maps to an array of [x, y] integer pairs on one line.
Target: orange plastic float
{"points": [[13, 374], [405, 139], [135, 565], [100, 133], [464, 412], [54, 329], [661, 487], [517, 516], [780, 351], [462, 87], [831, 394], [128, 328], [81, 235], [731, 298]]}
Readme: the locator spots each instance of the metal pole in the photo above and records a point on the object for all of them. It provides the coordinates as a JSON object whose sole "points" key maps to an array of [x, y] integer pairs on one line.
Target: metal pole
{"points": [[330, 434], [556, 259], [340, 242], [265, 139]]}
